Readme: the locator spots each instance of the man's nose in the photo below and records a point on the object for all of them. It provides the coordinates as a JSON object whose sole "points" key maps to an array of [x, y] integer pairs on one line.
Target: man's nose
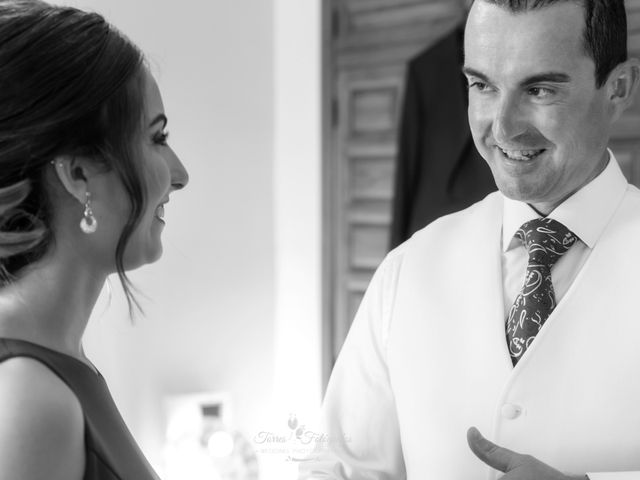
{"points": [[508, 121]]}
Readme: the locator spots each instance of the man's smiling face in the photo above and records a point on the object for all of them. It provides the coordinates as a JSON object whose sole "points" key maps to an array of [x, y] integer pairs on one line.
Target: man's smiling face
{"points": [[535, 112]]}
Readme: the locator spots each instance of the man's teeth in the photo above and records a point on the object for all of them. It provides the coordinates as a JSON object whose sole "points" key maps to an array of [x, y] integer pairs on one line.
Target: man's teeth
{"points": [[521, 154]]}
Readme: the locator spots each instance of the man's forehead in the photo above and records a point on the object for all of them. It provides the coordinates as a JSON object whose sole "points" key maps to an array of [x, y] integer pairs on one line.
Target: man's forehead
{"points": [[493, 17], [548, 38], [524, 5]]}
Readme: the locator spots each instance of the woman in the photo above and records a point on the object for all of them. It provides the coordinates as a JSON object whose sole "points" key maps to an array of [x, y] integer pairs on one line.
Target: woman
{"points": [[85, 171]]}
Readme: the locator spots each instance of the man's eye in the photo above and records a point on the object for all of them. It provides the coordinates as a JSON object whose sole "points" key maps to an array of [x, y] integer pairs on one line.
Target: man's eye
{"points": [[541, 93], [161, 137], [479, 86]]}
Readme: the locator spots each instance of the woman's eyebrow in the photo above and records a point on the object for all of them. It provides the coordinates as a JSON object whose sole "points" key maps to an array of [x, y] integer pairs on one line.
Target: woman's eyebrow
{"points": [[159, 118]]}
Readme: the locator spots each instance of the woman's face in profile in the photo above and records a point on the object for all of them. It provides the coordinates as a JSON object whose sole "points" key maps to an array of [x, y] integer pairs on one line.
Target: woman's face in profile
{"points": [[162, 173]]}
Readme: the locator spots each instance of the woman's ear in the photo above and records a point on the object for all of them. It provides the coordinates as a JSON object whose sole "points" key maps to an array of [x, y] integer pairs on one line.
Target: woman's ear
{"points": [[622, 85], [73, 173]]}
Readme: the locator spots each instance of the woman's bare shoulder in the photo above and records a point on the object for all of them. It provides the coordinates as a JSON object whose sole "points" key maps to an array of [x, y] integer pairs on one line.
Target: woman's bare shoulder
{"points": [[42, 425]]}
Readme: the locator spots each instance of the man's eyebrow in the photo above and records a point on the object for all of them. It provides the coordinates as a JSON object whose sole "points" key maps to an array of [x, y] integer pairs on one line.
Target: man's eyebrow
{"points": [[470, 72], [553, 77], [159, 118]]}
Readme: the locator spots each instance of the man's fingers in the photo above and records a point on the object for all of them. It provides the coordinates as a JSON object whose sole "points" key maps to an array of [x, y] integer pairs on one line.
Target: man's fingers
{"points": [[497, 457]]}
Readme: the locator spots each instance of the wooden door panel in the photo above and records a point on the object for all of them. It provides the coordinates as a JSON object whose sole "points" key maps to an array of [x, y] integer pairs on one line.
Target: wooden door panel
{"points": [[359, 6], [369, 178], [373, 110], [398, 42], [367, 245], [399, 15], [370, 212]]}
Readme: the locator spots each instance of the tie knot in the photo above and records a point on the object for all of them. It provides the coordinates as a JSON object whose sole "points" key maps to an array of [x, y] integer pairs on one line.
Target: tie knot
{"points": [[546, 240]]}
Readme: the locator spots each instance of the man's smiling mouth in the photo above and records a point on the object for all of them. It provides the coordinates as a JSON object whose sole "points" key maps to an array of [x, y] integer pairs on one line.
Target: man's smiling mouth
{"points": [[521, 155]]}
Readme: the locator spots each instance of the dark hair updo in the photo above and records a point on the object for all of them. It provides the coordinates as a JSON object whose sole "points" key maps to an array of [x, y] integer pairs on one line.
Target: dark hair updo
{"points": [[70, 83]]}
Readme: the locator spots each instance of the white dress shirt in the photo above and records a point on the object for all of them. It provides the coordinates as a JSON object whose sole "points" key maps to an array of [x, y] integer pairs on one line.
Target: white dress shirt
{"points": [[586, 214]]}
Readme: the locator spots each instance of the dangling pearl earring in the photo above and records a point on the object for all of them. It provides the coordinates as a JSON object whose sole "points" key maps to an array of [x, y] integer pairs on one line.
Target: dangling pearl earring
{"points": [[88, 224]]}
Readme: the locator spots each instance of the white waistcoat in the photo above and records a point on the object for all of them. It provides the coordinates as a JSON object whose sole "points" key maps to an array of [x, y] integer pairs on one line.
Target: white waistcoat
{"points": [[573, 400]]}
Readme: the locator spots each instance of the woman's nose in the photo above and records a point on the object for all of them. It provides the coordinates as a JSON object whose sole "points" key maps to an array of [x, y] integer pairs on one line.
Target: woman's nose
{"points": [[179, 174]]}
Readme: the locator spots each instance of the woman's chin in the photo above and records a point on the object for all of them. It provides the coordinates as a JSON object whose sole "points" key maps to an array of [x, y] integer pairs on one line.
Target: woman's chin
{"points": [[133, 262]]}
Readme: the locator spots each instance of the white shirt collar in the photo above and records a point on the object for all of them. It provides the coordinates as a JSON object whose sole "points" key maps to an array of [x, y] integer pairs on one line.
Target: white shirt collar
{"points": [[585, 213]]}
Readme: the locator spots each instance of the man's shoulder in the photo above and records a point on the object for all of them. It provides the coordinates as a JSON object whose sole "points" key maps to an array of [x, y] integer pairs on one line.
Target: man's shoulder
{"points": [[632, 194], [626, 221], [472, 220], [451, 235]]}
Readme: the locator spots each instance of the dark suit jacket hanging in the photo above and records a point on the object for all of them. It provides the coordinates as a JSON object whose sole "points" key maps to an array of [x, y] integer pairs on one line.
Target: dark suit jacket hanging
{"points": [[438, 170]]}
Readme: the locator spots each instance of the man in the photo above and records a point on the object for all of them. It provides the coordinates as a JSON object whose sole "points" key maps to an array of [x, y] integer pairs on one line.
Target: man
{"points": [[448, 338]]}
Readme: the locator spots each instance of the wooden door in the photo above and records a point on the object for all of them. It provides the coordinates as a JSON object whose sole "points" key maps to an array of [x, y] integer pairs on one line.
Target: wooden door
{"points": [[367, 46]]}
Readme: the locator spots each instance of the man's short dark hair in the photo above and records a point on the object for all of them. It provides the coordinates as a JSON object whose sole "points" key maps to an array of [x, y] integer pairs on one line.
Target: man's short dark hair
{"points": [[605, 33]]}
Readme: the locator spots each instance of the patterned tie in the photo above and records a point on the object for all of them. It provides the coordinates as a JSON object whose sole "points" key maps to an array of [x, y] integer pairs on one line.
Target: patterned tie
{"points": [[546, 241]]}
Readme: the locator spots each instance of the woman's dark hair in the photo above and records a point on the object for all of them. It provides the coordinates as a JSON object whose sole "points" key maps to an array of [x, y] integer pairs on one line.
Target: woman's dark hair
{"points": [[70, 84], [605, 31]]}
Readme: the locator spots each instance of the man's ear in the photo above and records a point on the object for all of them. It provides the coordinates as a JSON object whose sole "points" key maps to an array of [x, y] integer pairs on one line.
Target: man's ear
{"points": [[73, 173], [622, 85]]}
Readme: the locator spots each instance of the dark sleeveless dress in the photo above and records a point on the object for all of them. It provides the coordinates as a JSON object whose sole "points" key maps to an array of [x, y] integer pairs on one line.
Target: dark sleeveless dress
{"points": [[111, 451]]}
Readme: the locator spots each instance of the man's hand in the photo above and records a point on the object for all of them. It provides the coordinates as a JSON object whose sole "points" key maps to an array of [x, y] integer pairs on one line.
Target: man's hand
{"points": [[515, 466]]}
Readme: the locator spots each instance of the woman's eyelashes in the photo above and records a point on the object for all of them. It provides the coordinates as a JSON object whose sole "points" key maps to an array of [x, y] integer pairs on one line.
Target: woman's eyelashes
{"points": [[161, 137]]}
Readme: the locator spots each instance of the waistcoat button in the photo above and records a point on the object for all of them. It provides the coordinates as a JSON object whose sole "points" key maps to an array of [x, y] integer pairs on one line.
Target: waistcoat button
{"points": [[511, 411]]}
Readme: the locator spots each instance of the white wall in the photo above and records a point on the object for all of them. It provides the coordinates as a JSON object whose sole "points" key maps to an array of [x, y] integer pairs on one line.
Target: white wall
{"points": [[298, 205], [234, 304]]}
